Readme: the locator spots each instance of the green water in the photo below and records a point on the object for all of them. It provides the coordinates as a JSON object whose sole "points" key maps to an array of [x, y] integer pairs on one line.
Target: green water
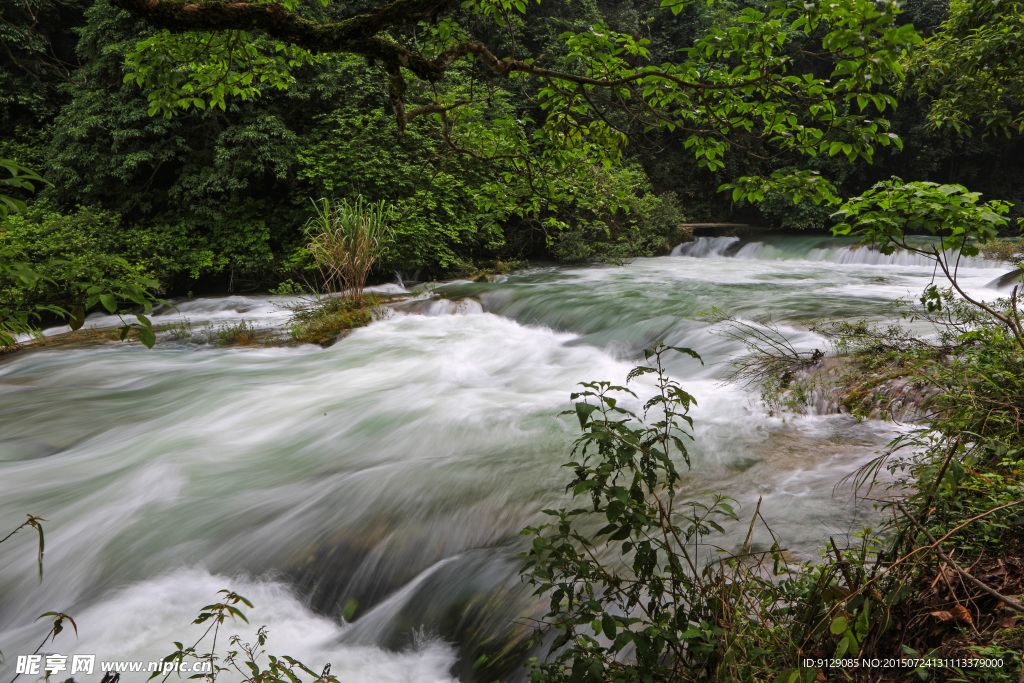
{"points": [[396, 468]]}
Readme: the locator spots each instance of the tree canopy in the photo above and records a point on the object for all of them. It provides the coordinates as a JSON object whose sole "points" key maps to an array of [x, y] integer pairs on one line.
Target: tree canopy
{"points": [[970, 73], [187, 138], [786, 78]]}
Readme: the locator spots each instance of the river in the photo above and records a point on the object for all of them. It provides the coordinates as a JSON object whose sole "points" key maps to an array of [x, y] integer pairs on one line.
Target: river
{"points": [[392, 472]]}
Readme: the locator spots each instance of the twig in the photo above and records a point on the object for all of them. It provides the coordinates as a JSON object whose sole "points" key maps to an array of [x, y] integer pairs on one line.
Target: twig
{"points": [[938, 479], [1009, 602], [842, 565]]}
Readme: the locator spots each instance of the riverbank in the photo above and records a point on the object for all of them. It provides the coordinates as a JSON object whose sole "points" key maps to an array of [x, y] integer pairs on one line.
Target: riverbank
{"points": [[937, 587], [396, 469]]}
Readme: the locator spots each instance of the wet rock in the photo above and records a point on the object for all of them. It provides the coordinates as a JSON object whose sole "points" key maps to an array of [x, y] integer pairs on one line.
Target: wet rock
{"points": [[474, 601], [1014, 277], [340, 337], [393, 585], [838, 384]]}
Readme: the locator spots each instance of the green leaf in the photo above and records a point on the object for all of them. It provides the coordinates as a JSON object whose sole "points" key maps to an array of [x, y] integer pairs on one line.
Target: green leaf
{"points": [[583, 412], [147, 336], [77, 318], [608, 625], [109, 302]]}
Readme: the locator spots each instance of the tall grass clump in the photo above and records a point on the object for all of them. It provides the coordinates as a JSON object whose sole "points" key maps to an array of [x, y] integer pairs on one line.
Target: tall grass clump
{"points": [[346, 239]]}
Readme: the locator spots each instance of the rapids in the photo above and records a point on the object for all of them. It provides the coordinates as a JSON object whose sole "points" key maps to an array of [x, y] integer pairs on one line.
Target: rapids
{"points": [[393, 471]]}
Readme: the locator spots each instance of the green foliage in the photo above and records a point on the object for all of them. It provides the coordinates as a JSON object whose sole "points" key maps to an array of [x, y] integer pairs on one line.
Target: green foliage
{"points": [[64, 266], [969, 73], [970, 458], [617, 216], [958, 481], [650, 596], [201, 70], [890, 211], [647, 605], [16, 319], [34, 40], [509, 169], [803, 216], [355, 149], [325, 320], [213, 188], [626, 471], [741, 81], [346, 239], [19, 178], [441, 228]]}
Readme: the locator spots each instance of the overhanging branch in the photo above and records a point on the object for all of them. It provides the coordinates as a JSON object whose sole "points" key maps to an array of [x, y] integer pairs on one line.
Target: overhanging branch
{"points": [[356, 35]]}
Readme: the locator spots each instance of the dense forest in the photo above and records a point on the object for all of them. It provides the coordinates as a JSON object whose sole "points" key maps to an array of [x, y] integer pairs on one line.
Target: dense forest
{"points": [[215, 198], [159, 149]]}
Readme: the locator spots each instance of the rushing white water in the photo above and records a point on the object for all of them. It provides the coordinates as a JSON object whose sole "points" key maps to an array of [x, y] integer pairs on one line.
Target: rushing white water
{"points": [[392, 471], [845, 251]]}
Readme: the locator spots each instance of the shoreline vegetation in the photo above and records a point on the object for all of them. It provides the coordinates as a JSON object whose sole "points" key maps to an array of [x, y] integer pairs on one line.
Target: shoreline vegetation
{"points": [[935, 590], [149, 148]]}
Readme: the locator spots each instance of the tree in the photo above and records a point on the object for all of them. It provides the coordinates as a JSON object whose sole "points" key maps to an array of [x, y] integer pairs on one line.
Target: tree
{"points": [[889, 212], [793, 78], [969, 73]]}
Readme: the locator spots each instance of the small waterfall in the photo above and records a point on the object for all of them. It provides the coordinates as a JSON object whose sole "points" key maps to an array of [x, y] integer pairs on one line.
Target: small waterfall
{"points": [[810, 249], [704, 247]]}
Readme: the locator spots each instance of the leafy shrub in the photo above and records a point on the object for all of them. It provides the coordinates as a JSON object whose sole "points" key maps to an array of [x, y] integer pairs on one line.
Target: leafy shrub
{"points": [[89, 237], [638, 599], [786, 215], [618, 217], [59, 267], [440, 228]]}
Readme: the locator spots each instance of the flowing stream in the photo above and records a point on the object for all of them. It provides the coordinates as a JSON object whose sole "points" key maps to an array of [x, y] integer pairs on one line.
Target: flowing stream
{"points": [[391, 473]]}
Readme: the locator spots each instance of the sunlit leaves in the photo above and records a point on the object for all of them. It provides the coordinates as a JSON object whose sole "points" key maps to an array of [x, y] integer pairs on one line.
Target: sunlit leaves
{"points": [[200, 70], [891, 210]]}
